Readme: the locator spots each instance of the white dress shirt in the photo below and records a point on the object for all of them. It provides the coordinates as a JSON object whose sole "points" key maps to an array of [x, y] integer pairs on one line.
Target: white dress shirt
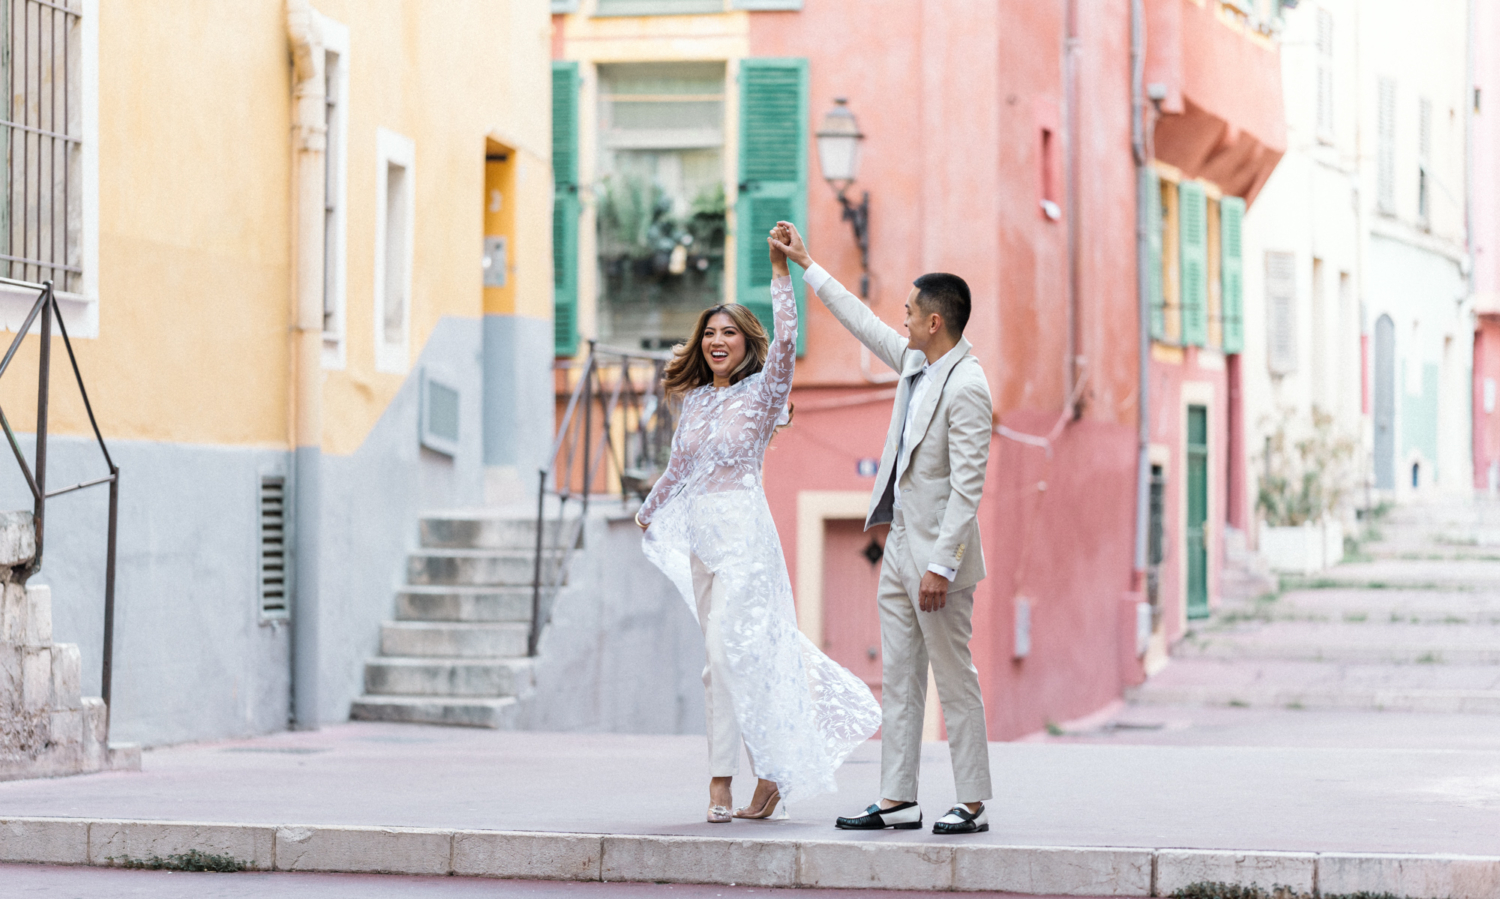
{"points": [[815, 277]]}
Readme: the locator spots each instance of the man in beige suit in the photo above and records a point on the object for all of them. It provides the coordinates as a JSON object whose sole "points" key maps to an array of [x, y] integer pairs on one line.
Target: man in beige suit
{"points": [[931, 476]]}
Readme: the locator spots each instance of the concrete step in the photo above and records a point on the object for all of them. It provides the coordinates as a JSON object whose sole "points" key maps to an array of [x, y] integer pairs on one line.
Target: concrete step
{"points": [[433, 639], [475, 567], [1280, 684], [1358, 643], [445, 603], [490, 531], [495, 713], [394, 676]]}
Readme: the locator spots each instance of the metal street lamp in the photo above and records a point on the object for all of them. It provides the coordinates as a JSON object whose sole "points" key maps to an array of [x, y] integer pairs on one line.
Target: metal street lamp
{"points": [[838, 155]]}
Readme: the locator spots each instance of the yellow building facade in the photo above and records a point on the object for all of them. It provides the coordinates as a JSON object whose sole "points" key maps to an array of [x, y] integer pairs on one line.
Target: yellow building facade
{"points": [[306, 257]]}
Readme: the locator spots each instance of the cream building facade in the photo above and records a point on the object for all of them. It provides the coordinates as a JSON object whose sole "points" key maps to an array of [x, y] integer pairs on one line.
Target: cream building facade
{"points": [[314, 281]]}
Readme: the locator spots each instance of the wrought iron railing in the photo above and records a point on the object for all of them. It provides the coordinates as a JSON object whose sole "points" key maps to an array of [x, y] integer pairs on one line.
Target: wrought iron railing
{"points": [[613, 438], [47, 310]]}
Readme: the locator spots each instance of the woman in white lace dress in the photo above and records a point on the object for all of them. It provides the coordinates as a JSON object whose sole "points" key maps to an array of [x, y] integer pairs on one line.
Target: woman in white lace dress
{"points": [[709, 529]]}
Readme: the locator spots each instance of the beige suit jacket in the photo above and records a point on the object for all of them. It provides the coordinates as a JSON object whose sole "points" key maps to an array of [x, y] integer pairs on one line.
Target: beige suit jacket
{"points": [[942, 468]]}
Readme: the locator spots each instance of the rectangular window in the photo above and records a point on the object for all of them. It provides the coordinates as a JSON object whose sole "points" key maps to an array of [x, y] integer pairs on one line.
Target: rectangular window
{"points": [[1171, 265], [395, 189], [41, 212], [1152, 189], [661, 200], [1325, 75], [1424, 161], [1319, 354], [439, 414], [1281, 312], [335, 189], [272, 552], [1385, 147], [658, 7]]}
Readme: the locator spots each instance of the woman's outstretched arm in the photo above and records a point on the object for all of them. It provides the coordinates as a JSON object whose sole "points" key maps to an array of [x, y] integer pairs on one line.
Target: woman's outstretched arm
{"points": [[781, 359]]}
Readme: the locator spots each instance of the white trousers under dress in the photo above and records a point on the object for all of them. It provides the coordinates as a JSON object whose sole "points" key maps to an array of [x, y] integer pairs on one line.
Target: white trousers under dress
{"points": [[724, 738]]}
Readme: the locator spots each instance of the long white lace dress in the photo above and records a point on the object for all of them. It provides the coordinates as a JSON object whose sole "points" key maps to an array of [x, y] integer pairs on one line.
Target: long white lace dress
{"points": [[800, 712]]}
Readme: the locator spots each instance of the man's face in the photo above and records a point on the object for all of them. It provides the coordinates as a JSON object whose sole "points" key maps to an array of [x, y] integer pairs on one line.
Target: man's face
{"points": [[921, 326]]}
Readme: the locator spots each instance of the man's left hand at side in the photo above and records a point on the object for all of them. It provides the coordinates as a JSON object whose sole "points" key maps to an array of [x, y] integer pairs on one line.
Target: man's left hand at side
{"points": [[933, 594]]}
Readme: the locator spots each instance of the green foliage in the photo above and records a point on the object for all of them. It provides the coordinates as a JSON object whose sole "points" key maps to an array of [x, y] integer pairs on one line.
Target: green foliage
{"points": [[1306, 477], [192, 860], [636, 220]]}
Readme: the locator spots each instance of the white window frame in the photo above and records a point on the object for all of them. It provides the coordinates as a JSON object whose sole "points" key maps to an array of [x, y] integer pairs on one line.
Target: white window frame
{"points": [[335, 40], [80, 310], [392, 149]]}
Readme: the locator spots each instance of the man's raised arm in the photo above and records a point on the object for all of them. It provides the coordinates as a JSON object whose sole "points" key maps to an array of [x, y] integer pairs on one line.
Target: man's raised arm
{"points": [[852, 313]]}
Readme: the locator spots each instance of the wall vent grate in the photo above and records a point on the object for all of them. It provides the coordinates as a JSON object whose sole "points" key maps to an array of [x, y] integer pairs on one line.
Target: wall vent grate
{"points": [[274, 596]]}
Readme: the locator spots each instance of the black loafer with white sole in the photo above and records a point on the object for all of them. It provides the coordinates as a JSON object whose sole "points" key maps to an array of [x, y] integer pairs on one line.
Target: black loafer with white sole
{"points": [[960, 820], [906, 816]]}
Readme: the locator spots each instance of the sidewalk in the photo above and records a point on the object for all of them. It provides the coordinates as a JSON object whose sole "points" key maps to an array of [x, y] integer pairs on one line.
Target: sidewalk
{"points": [[1070, 818]]}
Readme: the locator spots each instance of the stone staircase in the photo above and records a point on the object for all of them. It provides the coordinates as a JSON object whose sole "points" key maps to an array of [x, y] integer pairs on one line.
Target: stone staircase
{"points": [[456, 652]]}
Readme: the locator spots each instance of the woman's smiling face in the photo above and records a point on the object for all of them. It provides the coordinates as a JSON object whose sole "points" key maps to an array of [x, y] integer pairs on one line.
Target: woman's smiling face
{"points": [[723, 346]]}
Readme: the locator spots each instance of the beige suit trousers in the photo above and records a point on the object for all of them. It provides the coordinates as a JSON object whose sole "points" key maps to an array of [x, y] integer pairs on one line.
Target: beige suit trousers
{"points": [[718, 705], [910, 639]]}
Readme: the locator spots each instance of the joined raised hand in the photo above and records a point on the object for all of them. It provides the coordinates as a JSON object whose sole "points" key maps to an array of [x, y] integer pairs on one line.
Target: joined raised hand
{"points": [[788, 240], [776, 241]]}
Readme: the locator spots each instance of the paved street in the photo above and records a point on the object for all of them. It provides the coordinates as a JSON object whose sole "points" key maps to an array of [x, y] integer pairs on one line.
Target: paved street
{"points": [[25, 881]]}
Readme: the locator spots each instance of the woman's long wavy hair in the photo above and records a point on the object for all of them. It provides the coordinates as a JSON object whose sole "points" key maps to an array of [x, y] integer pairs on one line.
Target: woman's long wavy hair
{"points": [[689, 369]]}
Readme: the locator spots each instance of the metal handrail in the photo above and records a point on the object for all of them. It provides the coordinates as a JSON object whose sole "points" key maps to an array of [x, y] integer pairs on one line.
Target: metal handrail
{"points": [[46, 307], [642, 415]]}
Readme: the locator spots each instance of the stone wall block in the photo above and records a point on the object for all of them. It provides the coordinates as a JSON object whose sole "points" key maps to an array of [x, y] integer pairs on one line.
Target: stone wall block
{"points": [[1416, 877], [17, 538], [372, 850], [699, 860], [65, 727], [44, 841], [875, 865], [38, 616], [36, 678], [95, 720], [528, 856], [10, 674], [1052, 871], [67, 676], [13, 614], [113, 842], [1177, 868]]}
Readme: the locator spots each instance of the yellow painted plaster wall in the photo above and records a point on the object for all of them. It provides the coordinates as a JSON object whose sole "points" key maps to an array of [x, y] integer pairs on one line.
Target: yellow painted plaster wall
{"points": [[195, 206]]}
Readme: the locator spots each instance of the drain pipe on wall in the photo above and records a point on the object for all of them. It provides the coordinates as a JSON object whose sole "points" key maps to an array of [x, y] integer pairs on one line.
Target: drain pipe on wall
{"points": [[309, 141], [1139, 147]]}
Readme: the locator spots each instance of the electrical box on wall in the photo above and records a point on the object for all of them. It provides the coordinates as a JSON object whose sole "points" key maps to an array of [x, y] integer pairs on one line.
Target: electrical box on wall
{"points": [[438, 417], [1023, 627]]}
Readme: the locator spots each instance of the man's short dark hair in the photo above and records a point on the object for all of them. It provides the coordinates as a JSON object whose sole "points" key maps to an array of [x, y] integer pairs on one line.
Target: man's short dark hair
{"points": [[948, 296]]}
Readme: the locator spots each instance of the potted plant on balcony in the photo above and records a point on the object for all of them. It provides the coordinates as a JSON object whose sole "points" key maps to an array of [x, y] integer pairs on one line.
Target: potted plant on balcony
{"points": [[1305, 477]]}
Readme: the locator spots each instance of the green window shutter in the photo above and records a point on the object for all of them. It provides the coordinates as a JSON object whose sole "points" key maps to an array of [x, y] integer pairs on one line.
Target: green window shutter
{"points": [[565, 208], [1192, 214], [773, 177], [1153, 261], [1232, 268]]}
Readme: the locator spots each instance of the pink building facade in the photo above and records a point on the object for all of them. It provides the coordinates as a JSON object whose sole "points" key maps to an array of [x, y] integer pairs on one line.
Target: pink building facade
{"points": [[977, 123], [1484, 230]]}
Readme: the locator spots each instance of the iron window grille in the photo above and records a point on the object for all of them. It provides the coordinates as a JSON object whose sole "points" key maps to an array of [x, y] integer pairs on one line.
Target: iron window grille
{"points": [[42, 208]]}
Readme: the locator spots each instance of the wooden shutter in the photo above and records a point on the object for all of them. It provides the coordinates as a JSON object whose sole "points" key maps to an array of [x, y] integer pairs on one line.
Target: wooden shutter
{"points": [[773, 176], [1232, 272], [1192, 215], [1153, 260], [565, 208], [1281, 313]]}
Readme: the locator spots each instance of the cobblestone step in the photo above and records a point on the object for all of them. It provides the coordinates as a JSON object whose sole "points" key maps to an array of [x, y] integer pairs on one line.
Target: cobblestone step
{"points": [[411, 676], [1361, 643], [489, 531], [1471, 689], [493, 713], [453, 603], [433, 639]]}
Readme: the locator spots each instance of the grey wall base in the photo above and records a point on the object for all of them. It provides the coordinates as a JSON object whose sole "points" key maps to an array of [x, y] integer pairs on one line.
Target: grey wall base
{"points": [[622, 653]]}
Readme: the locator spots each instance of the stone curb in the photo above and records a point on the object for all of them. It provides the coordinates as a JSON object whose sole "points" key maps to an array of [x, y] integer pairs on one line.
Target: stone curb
{"points": [[1051, 870]]}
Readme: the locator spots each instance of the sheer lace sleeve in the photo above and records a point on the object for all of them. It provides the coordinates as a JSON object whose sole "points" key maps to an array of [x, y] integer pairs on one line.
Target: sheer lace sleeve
{"points": [[679, 466], [782, 358]]}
